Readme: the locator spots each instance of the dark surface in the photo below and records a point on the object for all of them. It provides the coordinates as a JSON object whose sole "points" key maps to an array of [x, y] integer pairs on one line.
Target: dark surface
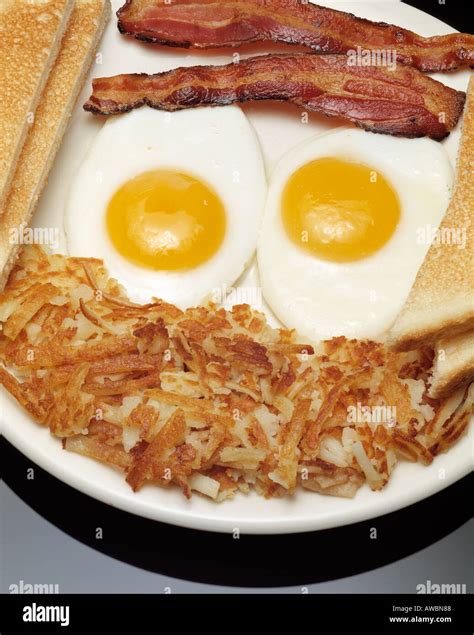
{"points": [[255, 561], [294, 614], [456, 13]]}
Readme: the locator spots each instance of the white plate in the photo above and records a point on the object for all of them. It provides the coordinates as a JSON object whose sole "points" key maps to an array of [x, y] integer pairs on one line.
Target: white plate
{"points": [[279, 128]]}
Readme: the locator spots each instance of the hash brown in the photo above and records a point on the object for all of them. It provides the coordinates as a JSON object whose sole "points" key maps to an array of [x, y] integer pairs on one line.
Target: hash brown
{"points": [[211, 400]]}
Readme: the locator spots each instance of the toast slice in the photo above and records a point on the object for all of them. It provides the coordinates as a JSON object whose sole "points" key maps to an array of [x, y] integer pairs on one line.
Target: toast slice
{"points": [[30, 38], [454, 364], [441, 302], [61, 92]]}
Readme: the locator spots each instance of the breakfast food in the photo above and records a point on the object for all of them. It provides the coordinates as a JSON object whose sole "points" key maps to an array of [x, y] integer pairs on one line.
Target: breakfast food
{"points": [[454, 364], [216, 23], [65, 81], [172, 201], [441, 302], [211, 400], [27, 54], [343, 211], [400, 101], [180, 390]]}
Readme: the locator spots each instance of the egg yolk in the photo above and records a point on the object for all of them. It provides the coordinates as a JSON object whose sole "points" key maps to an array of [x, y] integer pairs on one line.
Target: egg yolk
{"points": [[166, 220], [339, 211]]}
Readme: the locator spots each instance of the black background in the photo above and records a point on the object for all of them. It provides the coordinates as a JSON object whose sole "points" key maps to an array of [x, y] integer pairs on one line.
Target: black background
{"points": [[454, 12]]}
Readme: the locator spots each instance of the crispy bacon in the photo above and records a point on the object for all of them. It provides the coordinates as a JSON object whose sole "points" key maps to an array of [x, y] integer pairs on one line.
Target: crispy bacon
{"points": [[217, 23], [400, 102]]}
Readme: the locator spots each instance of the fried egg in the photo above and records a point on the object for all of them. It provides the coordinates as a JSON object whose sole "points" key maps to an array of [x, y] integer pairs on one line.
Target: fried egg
{"points": [[171, 202], [346, 227]]}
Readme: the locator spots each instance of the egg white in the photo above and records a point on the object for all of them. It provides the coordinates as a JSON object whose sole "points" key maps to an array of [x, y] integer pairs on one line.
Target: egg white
{"points": [[322, 299], [216, 145]]}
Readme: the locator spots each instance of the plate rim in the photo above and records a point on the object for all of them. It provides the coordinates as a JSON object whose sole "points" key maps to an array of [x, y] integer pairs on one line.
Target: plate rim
{"points": [[132, 502]]}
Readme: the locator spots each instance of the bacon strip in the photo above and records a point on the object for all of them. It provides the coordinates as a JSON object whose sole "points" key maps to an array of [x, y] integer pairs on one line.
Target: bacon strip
{"points": [[401, 102], [217, 23]]}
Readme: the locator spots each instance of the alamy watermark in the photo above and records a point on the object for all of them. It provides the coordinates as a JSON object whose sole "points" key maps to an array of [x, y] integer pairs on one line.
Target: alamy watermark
{"points": [[27, 588], [431, 235], [41, 613], [432, 588], [36, 611], [237, 295], [24, 235], [372, 414], [372, 57]]}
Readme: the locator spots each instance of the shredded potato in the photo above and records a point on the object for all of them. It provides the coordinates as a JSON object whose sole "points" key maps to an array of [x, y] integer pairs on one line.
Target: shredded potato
{"points": [[213, 401]]}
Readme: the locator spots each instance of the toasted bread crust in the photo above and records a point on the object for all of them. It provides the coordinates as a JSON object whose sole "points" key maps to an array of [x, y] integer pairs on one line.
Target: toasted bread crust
{"points": [[450, 322], [64, 84], [454, 364], [441, 302], [27, 55]]}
